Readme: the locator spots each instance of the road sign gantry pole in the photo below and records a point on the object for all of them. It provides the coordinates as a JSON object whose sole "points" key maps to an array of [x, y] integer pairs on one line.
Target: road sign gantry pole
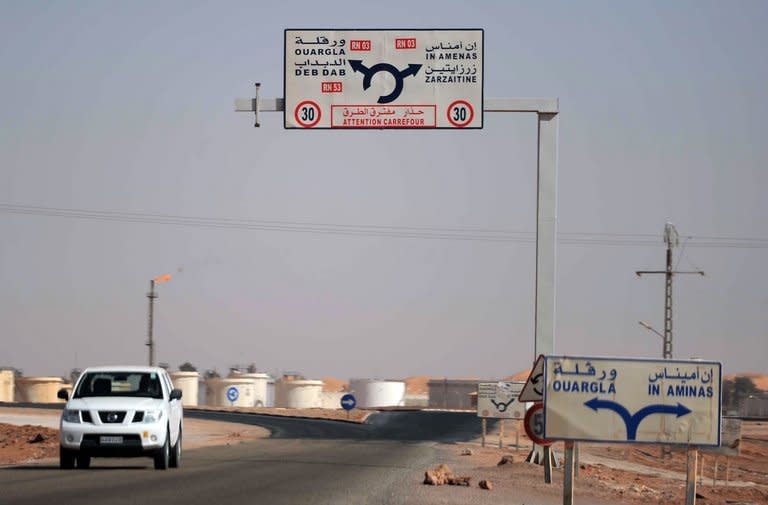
{"points": [[547, 111]]}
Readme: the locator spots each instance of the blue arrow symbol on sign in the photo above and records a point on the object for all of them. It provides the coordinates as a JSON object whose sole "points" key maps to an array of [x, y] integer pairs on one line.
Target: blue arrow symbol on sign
{"points": [[633, 421], [399, 75]]}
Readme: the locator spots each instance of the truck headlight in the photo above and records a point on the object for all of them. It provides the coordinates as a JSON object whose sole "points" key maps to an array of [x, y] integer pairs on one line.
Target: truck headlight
{"points": [[153, 416], [71, 416]]}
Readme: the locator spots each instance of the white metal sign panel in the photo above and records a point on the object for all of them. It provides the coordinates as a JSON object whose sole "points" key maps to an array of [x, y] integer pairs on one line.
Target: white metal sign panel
{"points": [[499, 399], [632, 400], [533, 390], [383, 78]]}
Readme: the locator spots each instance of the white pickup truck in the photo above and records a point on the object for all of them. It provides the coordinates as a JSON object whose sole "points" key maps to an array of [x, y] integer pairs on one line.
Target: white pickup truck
{"points": [[121, 411]]}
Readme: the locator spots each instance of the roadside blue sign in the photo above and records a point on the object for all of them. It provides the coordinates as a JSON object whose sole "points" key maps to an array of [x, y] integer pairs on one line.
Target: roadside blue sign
{"points": [[348, 401], [232, 394]]}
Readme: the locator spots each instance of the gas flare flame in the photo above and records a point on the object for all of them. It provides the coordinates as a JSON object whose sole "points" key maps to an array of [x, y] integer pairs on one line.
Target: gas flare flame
{"points": [[162, 278]]}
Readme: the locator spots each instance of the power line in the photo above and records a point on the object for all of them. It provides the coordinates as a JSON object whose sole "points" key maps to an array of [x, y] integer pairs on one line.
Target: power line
{"points": [[346, 229]]}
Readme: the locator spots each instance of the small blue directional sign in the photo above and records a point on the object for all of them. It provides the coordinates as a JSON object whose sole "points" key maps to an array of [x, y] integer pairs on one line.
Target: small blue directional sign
{"points": [[233, 394], [632, 400], [348, 401]]}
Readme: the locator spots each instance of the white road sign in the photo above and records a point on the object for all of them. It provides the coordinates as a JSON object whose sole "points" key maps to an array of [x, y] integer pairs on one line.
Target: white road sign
{"points": [[632, 400], [499, 399], [383, 78], [533, 390]]}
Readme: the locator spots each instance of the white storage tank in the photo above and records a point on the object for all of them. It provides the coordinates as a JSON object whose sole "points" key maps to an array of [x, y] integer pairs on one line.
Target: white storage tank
{"points": [[188, 382], [38, 389], [298, 393], [260, 381], [217, 392], [7, 385], [373, 393], [270, 393]]}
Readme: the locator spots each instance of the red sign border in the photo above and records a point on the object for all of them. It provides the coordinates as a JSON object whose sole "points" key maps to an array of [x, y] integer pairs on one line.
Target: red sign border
{"points": [[296, 113], [471, 114], [426, 127], [528, 431]]}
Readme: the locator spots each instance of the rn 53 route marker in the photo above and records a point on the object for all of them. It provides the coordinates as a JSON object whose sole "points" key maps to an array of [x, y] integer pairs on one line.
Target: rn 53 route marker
{"points": [[383, 78], [632, 400]]}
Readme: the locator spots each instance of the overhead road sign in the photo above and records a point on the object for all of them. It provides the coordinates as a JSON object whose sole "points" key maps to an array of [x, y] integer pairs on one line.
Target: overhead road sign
{"points": [[632, 400], [499, 400], [380, 79], [533, 390]]}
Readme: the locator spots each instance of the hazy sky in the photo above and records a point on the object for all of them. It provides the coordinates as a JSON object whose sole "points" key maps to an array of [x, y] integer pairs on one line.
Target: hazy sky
{"points": [[127, 107]]}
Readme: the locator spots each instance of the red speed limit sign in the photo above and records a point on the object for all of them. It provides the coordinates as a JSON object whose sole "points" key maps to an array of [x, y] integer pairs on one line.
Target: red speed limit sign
{"points": [[460, 113], [534, 425], [307, 113]]}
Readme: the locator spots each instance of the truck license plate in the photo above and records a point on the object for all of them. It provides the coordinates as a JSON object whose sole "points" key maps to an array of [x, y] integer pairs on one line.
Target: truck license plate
{"points": [[110, 440]]}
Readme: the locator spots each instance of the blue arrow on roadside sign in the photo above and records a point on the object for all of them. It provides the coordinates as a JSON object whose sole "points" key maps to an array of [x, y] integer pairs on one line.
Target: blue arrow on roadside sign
{"points": [[348, 401], [232, 394]]}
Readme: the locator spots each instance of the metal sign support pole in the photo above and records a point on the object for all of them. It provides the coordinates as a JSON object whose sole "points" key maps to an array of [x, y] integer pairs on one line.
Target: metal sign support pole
{"points": [[485, 421], [568, 475], [690, 480], [547, 111]]}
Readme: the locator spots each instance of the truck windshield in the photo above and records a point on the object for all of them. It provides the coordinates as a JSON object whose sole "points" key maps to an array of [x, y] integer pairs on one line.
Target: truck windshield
{"points": [[140, 384]]}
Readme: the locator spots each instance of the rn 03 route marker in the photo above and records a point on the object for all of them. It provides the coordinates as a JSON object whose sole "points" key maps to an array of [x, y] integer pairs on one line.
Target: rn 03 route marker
{"points": [[632, 400], [383, 79]]}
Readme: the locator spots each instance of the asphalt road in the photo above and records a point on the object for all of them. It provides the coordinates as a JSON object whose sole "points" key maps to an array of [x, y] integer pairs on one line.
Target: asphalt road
{"points": [[305, 461]]}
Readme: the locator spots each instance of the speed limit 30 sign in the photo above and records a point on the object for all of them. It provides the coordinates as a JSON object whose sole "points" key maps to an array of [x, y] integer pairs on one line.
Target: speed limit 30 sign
{"points": [[383, 79]]}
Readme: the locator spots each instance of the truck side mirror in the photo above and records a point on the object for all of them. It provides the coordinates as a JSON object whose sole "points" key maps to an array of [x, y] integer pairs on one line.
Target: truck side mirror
{"points": [[175, 394], [63, 394]]}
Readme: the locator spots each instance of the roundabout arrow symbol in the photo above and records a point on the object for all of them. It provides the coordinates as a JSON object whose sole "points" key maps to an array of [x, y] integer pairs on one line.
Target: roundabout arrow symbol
{"points": [[632, 421], [399, 75]]}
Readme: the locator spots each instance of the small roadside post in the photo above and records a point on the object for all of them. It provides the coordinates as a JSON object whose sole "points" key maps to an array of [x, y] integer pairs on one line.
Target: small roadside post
{"points": [[534, 428], [348, 402], [690, 478]]}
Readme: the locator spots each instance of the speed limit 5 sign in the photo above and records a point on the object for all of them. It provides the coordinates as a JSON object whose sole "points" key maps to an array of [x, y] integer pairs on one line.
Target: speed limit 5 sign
{"points": [[534, 425], [354, 79]]}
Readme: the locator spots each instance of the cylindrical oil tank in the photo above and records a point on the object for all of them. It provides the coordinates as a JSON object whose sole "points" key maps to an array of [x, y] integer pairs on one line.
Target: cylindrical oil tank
{"points": [[38, 389], [188, 382], [372, 393], [260, 380], [270, 393], [7, 385], [298, 394], [234, 392]]}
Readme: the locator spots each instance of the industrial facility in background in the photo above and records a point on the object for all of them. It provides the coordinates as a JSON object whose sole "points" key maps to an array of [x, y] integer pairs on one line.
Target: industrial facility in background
{"points": [[246, 387]]}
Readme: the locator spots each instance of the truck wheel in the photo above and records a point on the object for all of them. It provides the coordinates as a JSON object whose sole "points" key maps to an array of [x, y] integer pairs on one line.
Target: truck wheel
{"points": [[83, 461], [175, 461], [163, 455], [66, 459]]}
